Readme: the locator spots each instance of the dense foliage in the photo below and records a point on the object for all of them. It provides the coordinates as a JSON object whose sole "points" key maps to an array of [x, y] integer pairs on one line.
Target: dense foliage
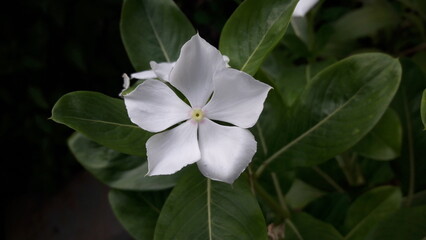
{"points": [[340, 140]]}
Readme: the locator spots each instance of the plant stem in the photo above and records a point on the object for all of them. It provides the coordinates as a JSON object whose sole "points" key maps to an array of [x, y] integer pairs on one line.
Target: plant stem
{"points": [[348, 163], [328, 179], [270, 200], [279, 193], [262, 139], [412, 178], [251, 180]]}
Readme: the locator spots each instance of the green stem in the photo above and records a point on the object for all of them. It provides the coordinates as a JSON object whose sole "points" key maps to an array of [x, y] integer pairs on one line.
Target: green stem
{"points": [[411, 183], [294, 228], [262, 139], [280, 193], [308, 73], [328, 179], [209, 212], [348, 163], [270, 200]]}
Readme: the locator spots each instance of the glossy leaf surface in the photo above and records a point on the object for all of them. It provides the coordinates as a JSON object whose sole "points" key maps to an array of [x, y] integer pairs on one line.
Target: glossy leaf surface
{"points": [[153, 30], [369, 209], [115, 169], [341, 105], [103, 119], [406, 223], [253, 30], [302, 226], [198, 208], [137, 211], [384, 141]]}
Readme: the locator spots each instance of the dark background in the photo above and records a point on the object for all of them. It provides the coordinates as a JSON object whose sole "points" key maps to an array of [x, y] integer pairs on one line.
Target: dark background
{"points": [[49, 48]]}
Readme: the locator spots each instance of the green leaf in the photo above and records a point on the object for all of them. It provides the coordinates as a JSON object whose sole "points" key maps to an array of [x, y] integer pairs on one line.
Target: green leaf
{"points": [[330, 208], [137, 211], [410, 166], [406, 223], [199, 208], [115, 169], [290, 80], [384, 141], [341, 105], [366, 21], [369, 209], [302, 226], [301, 194], [101, 118], [423, 108], [153, 30], [253, 30]]}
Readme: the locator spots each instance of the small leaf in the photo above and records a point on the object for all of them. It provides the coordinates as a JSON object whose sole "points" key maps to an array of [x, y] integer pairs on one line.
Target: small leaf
{"points": [[423, 108], [199, 208], [369, 209], [301, 194], [290, 80], [153, 30], [253, 30], [384, 141], [115, 169], [302, 226], [366, 21], [330, 208], [406, 223], [137, 211], [103, 119]]}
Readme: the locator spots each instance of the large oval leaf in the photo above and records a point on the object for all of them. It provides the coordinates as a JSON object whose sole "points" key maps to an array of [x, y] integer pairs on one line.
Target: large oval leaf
{"points": [[341, 105], [406, 223], [199, 208], [302, 226], [115, 169], [137, 211], [253, 30], [369, 209], [103, 119], [153, 30], [384, 141]]}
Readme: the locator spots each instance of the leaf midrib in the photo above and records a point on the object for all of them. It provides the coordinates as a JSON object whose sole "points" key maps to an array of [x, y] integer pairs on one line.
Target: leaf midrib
{"points": [[209, 213], [156, 33], [261, 41], [294, 228], [364, 219], [310, 130], [100, 121], [313, 128]]}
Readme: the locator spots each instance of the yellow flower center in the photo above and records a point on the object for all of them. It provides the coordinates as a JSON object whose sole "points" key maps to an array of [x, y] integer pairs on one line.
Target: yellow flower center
{"points": [[197, 114]]}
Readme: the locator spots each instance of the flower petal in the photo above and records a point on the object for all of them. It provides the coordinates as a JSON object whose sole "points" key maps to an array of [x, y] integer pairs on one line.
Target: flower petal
{"points": [[144, 75], [238, 98], [303, 7], [225, 151], [194, 70], [154, 107], [170, 151], [162, 70], [126, 84]]}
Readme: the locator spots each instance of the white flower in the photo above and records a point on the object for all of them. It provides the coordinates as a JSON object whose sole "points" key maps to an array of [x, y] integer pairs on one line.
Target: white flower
{"points": [[298, 20], [303, 7], [214, 92]]}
